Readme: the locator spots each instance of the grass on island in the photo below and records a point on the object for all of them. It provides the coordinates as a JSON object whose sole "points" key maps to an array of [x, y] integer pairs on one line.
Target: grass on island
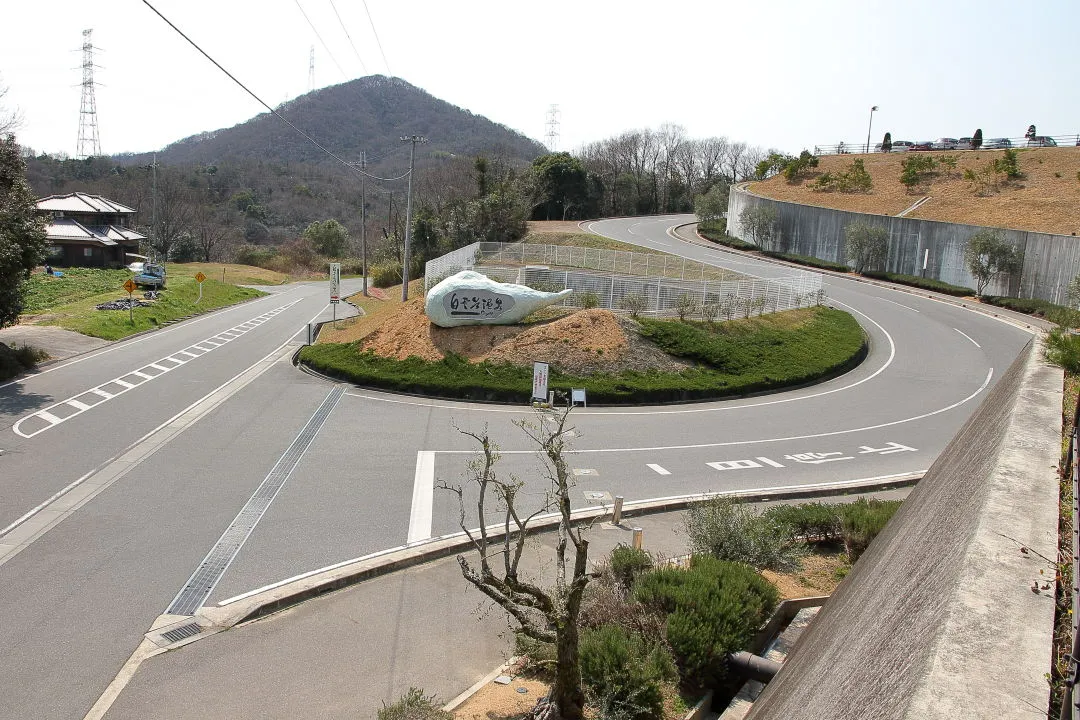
{"points": [[69, 301], [736, 357]]}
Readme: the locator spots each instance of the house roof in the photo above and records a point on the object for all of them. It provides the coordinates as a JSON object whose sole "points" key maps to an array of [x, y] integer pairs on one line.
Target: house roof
{"points": [[78, 202], [66, 230]]}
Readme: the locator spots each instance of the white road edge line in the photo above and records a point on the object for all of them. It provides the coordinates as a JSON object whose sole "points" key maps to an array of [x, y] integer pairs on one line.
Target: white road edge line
{"points": [[673, 498], [122, 463], [423, 498], [968, 337]]}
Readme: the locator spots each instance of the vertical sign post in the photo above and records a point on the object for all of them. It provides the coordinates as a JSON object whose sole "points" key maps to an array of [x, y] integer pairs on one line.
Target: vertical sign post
{"points": [[130, 287], [335, 286], [199, 278], [540, 382]]}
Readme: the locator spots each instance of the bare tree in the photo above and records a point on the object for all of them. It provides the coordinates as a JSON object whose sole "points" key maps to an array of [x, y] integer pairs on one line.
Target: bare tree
{"points": [[711, 153], [545, 614], [10, 120], [211, 227]]}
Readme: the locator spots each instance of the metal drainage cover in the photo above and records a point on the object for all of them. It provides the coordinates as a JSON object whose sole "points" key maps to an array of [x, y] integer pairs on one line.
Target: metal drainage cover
{"points": [[176, 634]]}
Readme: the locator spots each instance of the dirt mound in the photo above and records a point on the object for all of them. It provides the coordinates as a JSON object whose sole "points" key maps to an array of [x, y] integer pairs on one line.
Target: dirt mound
{"points": [[579, 343]]}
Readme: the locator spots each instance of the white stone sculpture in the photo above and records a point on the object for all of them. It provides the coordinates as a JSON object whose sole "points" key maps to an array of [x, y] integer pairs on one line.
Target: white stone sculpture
{"points": [[469, 298]]}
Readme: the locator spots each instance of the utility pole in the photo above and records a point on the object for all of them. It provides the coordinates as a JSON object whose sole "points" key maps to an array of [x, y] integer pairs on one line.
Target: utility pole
{"points": [[153, 210], [89, 142], [408, 214], [363, 219]]}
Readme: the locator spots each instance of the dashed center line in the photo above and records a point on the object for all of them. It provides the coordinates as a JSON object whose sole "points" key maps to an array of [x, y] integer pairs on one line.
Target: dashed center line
{"points": [[47, 418]]}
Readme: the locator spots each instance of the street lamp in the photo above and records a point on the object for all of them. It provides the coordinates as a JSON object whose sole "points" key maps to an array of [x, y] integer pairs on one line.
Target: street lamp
{"points": [[872, 109]]}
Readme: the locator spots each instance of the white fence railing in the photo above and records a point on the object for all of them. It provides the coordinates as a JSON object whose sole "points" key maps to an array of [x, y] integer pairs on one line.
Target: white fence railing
{"points": [[625, 281]]}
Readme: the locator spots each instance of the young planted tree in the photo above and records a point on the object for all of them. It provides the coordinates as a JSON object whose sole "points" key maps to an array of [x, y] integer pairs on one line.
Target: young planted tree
{"points": [[546, 614], [977, 139], [987, 255], [867, 245], [759, 225]]}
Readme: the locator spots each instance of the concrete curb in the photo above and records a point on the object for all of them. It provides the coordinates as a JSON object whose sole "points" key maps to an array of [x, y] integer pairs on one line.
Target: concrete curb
{"points": [[265, 601], [1025, 322]]}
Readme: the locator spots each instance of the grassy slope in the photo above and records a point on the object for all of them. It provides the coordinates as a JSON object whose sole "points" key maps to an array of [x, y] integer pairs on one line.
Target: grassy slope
{"points": [[1046, 199], [737, 357]]}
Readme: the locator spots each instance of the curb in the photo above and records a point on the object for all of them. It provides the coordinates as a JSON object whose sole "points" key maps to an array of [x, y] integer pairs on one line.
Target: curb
{"points": [[266, 601], [1024, 322]]}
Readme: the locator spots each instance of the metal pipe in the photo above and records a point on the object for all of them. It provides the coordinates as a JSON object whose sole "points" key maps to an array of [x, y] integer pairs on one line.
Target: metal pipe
{"points": [[752, 666]]}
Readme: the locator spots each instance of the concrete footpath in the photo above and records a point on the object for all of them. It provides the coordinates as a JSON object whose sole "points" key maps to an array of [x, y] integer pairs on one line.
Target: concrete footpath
{"points": [[343, 654]]}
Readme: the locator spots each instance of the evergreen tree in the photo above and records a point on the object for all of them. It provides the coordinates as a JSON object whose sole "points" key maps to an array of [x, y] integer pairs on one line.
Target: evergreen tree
{"points": [[22, 231]]}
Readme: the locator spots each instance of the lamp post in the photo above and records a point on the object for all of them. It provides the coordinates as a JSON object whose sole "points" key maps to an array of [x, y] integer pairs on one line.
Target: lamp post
{"points": [[872, 109]]}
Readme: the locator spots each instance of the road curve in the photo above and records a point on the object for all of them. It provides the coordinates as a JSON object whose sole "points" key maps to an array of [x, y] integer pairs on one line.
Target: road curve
{"points": [[171, 475]]}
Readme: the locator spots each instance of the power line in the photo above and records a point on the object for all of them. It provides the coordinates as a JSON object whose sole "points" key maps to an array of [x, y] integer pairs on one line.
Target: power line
{"points": [[320, 38], [89, 141], [272, 111], [362, 65], [379, 42]]}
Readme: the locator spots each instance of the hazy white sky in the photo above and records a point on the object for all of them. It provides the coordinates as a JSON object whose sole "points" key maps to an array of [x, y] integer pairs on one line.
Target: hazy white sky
{"points": [[776, 73]]}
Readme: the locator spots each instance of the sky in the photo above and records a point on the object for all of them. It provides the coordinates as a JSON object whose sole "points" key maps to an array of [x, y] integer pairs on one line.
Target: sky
{"points": [[783, 74]]}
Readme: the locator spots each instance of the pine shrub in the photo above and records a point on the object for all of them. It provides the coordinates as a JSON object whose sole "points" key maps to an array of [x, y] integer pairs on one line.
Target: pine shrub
{"points": [[861, 521], [414, 705], [624, 673], [731, 531]]}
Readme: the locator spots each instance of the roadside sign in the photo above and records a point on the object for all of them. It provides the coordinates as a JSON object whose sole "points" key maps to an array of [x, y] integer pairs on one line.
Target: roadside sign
{"points": [[540, 381], [199, 277], [335, 282], [129, 286]]}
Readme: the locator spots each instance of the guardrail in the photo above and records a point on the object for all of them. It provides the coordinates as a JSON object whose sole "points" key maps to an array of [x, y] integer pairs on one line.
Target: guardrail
{"points": [[859, 148]]}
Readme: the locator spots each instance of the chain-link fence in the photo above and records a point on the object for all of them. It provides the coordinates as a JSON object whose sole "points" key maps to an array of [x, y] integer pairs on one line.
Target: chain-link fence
{"points": [[638, 283]]}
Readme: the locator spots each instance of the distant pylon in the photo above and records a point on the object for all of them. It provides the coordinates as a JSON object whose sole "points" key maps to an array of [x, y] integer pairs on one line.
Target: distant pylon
{"points": [[311, 70], [552, 134], [89, 142]]}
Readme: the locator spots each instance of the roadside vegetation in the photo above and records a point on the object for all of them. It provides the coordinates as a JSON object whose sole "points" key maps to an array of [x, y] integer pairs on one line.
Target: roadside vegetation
{"points": [[18, 358], [733, 357]]}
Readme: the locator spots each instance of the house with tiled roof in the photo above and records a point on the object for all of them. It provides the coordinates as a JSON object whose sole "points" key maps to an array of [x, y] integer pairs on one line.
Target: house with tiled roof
{"points": [[89, 230]]}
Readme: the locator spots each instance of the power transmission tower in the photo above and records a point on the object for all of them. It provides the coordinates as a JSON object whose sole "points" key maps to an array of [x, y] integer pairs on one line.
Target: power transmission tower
{"points": [[552, 133], [408, 214], [89, 142], [311, 70]]}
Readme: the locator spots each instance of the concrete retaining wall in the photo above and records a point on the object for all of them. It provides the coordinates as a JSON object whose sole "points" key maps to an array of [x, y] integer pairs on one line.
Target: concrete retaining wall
{"points": [[939, 618], [1050, 261]]}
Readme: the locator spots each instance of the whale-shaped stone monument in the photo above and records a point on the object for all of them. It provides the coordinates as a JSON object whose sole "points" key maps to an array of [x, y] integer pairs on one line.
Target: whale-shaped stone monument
{"points": [[469, 298]]}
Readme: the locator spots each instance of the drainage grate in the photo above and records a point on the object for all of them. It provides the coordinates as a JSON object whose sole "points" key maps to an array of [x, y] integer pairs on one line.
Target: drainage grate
{"points": [[217, 561], [184, 631]]}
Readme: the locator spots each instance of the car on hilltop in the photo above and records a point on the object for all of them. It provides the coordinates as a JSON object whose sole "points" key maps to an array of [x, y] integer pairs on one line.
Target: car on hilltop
{"points": [[997, 144], [1041, 141]]}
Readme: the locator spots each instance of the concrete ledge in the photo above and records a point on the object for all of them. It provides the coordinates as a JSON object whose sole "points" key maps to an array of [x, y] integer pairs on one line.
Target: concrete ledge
{"points": [[950, 611]]}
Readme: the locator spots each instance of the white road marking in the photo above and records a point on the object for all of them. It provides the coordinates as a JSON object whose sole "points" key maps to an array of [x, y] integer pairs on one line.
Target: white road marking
{"points": [[968, 337], [767, 461], [78, 405], [906, 307], [423, 497], [657, 469], [52, 420]]}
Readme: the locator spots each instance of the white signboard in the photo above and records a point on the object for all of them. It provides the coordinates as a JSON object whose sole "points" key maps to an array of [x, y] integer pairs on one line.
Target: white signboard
{"points": [[335, 282], [540, 381]]}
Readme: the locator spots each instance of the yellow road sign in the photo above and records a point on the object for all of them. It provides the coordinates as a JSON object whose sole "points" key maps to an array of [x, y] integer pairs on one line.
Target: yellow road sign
{"points": [[199, 277], [129, 286]]}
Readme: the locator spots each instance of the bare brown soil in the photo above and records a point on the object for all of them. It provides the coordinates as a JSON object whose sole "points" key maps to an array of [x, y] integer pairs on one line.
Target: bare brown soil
{"points": [[580, 342], [1046, 199]]}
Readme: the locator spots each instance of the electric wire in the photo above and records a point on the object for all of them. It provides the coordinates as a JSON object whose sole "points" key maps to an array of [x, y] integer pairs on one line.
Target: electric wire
{"points": [[379, 42], [312, 25], [342, 24], [272, 111]]}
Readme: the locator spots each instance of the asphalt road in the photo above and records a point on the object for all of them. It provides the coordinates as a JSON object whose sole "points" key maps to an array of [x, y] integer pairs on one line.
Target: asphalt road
{"points": [[112, 496]]}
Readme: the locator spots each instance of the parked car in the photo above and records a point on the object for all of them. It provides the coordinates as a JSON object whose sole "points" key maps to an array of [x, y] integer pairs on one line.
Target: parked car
{"points": [[152, 276], [964, 143], [997, 144], [945, 144], [922, 145], [901, 145], [1041, 141]]}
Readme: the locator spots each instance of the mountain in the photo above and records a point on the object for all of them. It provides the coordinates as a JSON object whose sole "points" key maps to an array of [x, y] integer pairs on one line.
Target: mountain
{"points": [[368, 114]]}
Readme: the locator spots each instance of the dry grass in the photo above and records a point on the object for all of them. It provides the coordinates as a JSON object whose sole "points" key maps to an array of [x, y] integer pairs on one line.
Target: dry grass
{"points": [[1046, 199]]}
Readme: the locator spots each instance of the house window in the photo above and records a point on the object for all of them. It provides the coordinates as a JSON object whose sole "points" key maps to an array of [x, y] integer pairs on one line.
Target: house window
{"points": [[88, 252]]}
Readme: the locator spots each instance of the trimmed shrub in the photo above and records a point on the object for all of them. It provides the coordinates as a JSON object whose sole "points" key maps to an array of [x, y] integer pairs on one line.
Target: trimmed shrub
{"points": [[813, 521], [731, 531], [627, 563], [1062, 349], [384, 274], [624, 673], [921, 282], [720, 236], [1063, 316], [861, 521], [806, 260], [414, 705], [713, 608]]}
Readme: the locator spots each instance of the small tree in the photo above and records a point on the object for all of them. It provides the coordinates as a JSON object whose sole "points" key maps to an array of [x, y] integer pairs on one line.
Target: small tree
{"points": [[22, 231], [711, 206], [759, 225], [886, 143], [686, 305], [867, 245], [329, 237], [545, 614], [976, 139], [987, 254], [634, 303]]}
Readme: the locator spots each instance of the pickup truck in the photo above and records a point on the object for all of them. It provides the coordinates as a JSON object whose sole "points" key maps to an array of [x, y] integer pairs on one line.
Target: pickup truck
{"points": [[152, 276]]}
